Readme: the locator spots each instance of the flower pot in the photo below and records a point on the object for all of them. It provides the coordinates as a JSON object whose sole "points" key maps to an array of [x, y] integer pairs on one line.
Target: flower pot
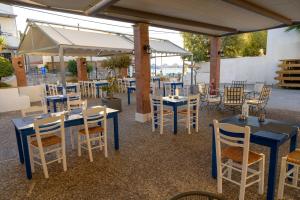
{"points": [[112, 102]]}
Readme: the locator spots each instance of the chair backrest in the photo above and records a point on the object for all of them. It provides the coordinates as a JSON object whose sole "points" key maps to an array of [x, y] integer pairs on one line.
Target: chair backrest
{"points": [[168, 89], [264, 94], [193, 101], [156, 103], [94, 116], [52, 89], [258, 87], [49, 126], [73, 96], [239, 83], [233, 136], [185, 91], [75, 104], [233, 95], [34, 111]]}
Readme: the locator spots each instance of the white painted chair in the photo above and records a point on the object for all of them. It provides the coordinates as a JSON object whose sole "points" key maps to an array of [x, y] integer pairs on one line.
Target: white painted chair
{"points": [[82, 87], [121, 87], [190, 114], [75, 102], [52, 89], [50, 139], [35, 110], [292, 159], [159, 115], [94, 134], [168, 90], [236, 156]]}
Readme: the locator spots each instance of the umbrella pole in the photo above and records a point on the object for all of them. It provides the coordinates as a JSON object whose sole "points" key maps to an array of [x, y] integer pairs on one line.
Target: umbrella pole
{"points": [[62, 67]]}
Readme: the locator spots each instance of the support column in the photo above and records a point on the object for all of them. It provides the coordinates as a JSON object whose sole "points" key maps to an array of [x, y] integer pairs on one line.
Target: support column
{"points": [[19, 67], [62, 67], [82, 69], [215, 60], [142, 72]]}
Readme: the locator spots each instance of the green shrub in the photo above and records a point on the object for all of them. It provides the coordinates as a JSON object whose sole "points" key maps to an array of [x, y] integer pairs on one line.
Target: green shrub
{"points": [[4, 85], [6, 68], [72, 67]]}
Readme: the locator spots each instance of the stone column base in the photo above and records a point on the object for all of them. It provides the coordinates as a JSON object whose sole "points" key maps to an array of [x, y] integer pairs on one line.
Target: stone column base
{"points": [[142, 117]]}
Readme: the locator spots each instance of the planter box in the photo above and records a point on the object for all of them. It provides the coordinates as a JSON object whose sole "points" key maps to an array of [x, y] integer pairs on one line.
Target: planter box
{"points": [[114, 103]]}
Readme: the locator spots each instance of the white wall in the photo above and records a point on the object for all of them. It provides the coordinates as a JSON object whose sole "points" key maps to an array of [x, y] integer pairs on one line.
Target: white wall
{"points": [[280, 45], [10, 100]]}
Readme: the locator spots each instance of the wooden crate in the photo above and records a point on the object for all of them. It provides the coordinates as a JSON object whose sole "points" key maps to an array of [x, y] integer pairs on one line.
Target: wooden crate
{"points": [[289, 73]]}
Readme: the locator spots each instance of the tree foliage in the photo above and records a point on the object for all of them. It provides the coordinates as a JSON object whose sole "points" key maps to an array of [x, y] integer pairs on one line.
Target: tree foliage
{"points": [[248, 44], [2, 42], [117, 62], [294, 27], [6, 68], [72, 67]]}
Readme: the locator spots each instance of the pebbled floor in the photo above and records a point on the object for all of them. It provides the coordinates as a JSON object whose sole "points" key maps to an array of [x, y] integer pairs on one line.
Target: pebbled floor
{"points": [[148, 166]]}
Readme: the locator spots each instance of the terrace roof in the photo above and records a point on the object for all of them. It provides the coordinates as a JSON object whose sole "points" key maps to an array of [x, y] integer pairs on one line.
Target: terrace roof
{"points": [[44, 38], [213, 17]]}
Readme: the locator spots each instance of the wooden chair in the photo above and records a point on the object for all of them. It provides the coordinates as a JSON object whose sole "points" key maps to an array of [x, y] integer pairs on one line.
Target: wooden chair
{"points": [[94, 134], [209, 100], [293, 160], [168, 90], [159, 115], [35, 110], [50, 139], [238, 84], [191, 113], [236, 156], [52, 89], [234, 97], [259, 105], [82, 87]]}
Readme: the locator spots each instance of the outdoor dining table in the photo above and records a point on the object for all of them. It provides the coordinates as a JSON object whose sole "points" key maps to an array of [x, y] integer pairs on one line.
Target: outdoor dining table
{"points": [[175, 103], [130, 89], [72, 87], [100, 84], [24, 128], [174, 85], [55, 99], [270, 133]]}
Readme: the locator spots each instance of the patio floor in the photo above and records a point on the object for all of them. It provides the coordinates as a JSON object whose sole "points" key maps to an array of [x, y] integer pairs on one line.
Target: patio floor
{"points": [[147, 166]]}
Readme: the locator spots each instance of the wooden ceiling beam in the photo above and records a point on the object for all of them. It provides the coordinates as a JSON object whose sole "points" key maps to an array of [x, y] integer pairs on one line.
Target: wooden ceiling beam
{"points": [[146, 16], [244, 4], [99, 7]]}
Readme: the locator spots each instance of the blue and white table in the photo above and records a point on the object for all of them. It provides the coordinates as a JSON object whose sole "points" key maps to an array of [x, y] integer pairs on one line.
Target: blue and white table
{"points": [[175, 103], [174, 85], [70, 87], [272, 134], [99, 85], [55, 99], [24, 128]]}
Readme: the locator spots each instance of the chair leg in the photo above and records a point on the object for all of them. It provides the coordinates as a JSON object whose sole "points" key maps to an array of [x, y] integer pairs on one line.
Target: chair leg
{"points": [[219, 179], [229, 175], [261, 175], [89, 148], [161, 124], [153, 124], [189, 123], [282, 178], [64, 157], [296, 175], [58, 156], [79, 144], [105, 145], [243, 183], [43, 160]]}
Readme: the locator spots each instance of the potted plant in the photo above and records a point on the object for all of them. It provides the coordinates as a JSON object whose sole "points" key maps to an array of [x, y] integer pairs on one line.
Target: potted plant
{"points": [[114, 65]]}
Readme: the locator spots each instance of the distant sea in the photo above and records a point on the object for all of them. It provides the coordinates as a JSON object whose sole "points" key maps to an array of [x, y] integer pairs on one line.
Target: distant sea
{"points": [[166, 71]]}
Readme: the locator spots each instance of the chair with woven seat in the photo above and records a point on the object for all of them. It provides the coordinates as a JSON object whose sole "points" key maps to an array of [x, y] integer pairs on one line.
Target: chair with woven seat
{"points": [[159, 115], [233, 154], [190, 113], [292, 159], [258, 105], [75, 102], [50, 139], [94, 134]]}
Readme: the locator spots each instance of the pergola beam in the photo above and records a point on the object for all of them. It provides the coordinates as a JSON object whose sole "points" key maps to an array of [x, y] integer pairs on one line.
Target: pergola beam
{"points": [[100, 6], [244, 4], [151, 16]]}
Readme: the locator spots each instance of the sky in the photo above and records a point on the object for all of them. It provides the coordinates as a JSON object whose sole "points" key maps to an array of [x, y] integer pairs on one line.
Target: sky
{"points": [[44, 15]]}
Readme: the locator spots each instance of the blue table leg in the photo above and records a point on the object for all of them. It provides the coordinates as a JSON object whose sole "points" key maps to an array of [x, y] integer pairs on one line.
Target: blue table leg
{"points": [[159, 84], [164, 91], [293, 145], [116, 131], [75, 88], [128, 96], [26, 156], [175, 118], [272, 172], [213, 156], [194, 115], [20, 148], [48, 105]]}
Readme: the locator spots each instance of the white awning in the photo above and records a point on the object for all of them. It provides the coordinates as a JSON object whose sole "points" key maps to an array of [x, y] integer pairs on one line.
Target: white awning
{"points": [[43, 38], [211, 17]]}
